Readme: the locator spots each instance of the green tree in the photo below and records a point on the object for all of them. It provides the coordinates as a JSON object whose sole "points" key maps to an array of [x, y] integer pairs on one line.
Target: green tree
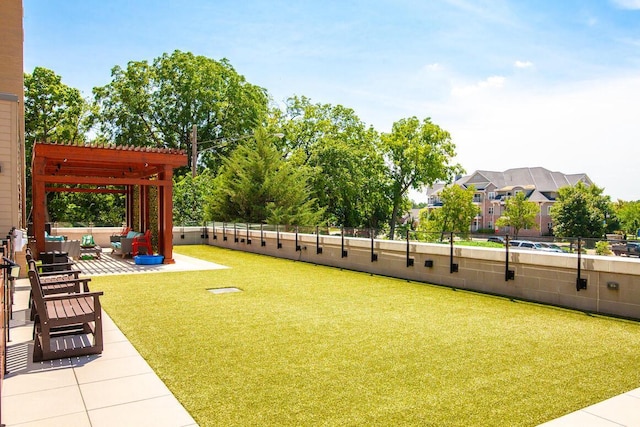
{"points": [[84, 208], [156, 104], [580, 211], [257, 185], [347, 172], [53, 112], [189, 198], [418, 154], [456, 213], [519, 213], [628, 214]]}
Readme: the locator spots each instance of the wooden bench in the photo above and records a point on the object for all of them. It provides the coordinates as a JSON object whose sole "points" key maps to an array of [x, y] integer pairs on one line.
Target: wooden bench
{"points": [[75, 318], [57, 282]]}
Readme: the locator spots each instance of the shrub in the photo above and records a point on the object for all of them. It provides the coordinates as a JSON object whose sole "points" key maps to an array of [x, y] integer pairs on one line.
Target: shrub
{"points": [[602, 248]]}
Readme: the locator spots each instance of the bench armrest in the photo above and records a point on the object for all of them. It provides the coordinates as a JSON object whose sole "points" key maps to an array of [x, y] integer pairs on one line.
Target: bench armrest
{"points": [[60, 297]]}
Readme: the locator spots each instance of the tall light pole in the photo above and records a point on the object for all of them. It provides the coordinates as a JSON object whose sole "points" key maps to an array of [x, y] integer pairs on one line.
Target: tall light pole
{"points": [[194, 150]]}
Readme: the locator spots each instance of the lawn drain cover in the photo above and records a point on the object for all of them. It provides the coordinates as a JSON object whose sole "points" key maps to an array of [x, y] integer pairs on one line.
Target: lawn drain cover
{"points": [[224, 290]]}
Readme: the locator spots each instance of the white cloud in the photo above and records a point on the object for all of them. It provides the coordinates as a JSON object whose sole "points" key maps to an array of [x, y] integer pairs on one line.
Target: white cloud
{"points": [[489, 83], [587, 126], [627, 4], [433, 67], [523, 64]]}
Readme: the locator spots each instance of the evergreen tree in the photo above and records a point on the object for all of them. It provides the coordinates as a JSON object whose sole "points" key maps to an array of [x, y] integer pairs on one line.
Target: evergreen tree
{"points": [[257, 185]]}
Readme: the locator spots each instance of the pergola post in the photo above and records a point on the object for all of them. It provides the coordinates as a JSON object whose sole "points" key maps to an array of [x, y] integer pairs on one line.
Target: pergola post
{"points": [[38, 205], [165, 216]]}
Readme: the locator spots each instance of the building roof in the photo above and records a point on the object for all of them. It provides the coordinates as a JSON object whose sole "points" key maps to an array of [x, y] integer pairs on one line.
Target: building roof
{"points": [[538, 178]]}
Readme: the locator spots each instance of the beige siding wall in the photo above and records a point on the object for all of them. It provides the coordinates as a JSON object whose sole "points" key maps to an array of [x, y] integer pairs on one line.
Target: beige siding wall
{"points": [[12, 161], [9, 175]]}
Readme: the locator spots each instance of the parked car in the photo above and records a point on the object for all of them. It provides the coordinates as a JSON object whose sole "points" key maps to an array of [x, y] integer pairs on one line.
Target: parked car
{"points": [[496, 239], [522, 244], [538, 246], [628, 249], [548, 247]]}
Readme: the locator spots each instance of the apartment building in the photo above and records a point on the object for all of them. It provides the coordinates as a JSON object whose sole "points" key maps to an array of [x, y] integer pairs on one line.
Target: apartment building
{"points": [[12, 159], [539, 185]]}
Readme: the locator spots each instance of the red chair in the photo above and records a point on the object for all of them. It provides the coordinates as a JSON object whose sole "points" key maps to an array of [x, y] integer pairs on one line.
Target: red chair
{"points": [[143, 241]]}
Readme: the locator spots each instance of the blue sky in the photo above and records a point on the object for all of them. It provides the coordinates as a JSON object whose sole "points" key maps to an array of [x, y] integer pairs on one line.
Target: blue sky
{"points": [[517, 83]]}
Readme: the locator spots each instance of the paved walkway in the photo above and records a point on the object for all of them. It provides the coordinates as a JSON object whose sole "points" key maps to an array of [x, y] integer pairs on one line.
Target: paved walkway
{"points": [[118, 388], [115, 388]]}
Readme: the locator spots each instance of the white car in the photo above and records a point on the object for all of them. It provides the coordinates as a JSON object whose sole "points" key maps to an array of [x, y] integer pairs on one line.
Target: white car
{"points": [[538, 246]]}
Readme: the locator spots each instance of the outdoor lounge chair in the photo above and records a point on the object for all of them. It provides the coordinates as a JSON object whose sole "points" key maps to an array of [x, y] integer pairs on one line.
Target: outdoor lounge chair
{"points": [[142, 242], [66, 325], [123, 245]]}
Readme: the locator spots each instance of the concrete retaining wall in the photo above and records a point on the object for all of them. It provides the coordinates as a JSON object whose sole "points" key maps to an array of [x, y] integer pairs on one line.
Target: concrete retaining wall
{"points": [[613, 283]]}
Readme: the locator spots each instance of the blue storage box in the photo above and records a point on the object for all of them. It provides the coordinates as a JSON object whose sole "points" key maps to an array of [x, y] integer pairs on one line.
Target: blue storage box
{"points": [[148, 259]]}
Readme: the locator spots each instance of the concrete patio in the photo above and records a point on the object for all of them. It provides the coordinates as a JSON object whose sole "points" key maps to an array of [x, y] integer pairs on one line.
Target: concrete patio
{"points": [[115, 388]]}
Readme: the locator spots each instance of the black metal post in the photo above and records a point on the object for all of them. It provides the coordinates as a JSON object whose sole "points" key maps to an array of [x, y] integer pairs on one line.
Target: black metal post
{"points": [[279, 245], [215, 236], [235, 232], [318, 248], [453, 268], [298, 249], [248, 235], [580, 282], [508, 274], [262, 241], [224, 231], [374, 256], [344, 252], [409, 259]]}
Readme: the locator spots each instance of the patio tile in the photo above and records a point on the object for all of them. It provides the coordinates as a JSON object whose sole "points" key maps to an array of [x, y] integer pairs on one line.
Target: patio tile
{"points": [[80, 419], [580, 419], [107, 369], [157, 412], [623, 409], [112, 336], [41, 405], [135, 388], [30, 382], [635, 393], [117, 350]]}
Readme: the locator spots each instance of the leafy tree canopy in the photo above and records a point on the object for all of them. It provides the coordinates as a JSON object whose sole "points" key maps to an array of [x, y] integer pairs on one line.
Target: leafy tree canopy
{"points": [[53, 112], [417, 154], [189, 198], [455, 215], [628, 215], [580, 211], [347, 171], [156, 104], [519, 213]]}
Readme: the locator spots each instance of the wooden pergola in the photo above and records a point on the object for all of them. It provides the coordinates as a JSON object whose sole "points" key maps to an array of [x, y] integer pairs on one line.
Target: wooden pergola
{"points": [[97, 166]]}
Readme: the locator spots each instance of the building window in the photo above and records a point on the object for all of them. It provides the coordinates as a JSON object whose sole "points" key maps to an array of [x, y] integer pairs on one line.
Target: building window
{"points": [[490, 211], [548, 210], [492, 195]]}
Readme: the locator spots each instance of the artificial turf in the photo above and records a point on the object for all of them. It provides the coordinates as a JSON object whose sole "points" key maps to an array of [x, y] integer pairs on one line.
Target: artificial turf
{"points": [[312, 345]]}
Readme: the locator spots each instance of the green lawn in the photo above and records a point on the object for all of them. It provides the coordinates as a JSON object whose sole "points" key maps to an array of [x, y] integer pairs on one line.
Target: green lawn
{"points": [[311, 345]]}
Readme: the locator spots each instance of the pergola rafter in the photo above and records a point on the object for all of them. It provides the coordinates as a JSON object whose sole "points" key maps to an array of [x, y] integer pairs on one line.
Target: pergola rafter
{"points": [[98, 166]]}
